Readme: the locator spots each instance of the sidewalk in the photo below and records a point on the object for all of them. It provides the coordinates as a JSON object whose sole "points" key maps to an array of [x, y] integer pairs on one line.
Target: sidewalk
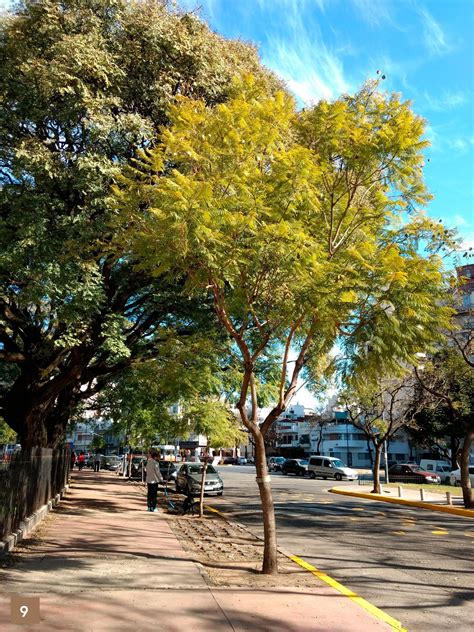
{"points": [[435, 501], [104, 563]]}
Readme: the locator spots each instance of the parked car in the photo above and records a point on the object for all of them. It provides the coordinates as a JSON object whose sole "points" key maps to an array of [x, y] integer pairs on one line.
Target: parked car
{"points": [[138, 464], [241, 460], [455, 477], [188, 480], [229, 460], [168, 470], [442, 468], [330, 467], [299, 467], [111, 462], [275, 463], [405, 473]]}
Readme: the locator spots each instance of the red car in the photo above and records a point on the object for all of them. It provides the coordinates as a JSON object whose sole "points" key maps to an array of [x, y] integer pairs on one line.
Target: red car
{"points": [[408, 473]]}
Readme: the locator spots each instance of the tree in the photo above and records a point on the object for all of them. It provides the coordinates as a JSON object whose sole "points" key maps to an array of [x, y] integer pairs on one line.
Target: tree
{"points": [[435, 431], [382, 409], [291, 223], [213, 418], [449, 380], [84, 83]]}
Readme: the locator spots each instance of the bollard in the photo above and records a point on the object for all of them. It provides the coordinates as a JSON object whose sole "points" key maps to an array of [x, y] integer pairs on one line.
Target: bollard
{"points": [[400, 491], [422, 493], [449, 500]]}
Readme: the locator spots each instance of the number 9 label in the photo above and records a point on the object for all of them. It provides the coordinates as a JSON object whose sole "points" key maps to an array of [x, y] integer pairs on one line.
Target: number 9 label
{"points": [[24, 610]]}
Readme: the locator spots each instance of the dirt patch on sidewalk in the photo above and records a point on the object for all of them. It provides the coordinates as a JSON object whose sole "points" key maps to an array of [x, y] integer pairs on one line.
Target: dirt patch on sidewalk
{"points": [[232, 556]]}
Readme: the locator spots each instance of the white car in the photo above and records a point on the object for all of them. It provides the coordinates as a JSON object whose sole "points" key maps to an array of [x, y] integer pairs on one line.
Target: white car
{"points": [[455, 478]]}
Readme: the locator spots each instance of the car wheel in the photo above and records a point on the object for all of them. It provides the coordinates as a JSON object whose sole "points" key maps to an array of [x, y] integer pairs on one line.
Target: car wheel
{"points": [[312, 475], [338, 477], [219, 493]]}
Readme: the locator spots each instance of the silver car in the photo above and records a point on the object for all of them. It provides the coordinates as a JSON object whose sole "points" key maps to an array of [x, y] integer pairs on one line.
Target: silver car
{"points": [[188, 480]]}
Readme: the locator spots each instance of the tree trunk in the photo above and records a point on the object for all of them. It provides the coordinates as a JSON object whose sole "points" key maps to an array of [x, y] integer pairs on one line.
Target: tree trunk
{"points": [[270, 553], [369, 450], [201, 495], [465, 478], [37, 414], [376, 470], [454, 451]]}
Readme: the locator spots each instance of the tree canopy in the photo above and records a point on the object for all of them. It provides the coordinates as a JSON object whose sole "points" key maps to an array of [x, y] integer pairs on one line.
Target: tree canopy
{"points": [[85, 83]]}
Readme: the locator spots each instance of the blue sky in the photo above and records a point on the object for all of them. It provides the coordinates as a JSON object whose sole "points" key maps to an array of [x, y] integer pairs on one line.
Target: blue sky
{"points": [[325, 47]]}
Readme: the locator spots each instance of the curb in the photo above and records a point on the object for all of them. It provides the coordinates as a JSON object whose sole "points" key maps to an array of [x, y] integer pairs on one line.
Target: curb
{"points": [[29, 524], [377, 613], [466, 513]]}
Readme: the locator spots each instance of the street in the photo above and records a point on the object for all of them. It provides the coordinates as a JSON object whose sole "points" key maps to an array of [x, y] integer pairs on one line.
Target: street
{"points": [[415, 564]]}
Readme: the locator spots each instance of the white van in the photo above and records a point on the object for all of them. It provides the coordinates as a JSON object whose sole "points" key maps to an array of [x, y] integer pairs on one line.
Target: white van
{"points": [[442, 468], [330, 467]]}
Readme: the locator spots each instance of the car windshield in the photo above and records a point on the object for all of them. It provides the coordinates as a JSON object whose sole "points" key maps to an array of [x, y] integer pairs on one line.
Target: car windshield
{"points": [[339, 463], [302, 462], [197, 469]]}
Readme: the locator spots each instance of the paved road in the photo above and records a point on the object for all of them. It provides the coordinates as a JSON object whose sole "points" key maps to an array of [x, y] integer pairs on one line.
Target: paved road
{"points": [[415, 564]]}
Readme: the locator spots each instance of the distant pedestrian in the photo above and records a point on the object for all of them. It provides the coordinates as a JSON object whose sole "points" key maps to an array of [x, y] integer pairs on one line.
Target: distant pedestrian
{"points": [[73, 459], [81, 461], [153, 477], [97, 460]]}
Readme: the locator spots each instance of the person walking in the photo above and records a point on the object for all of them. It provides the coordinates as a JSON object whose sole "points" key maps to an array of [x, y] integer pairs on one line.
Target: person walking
{"points": [[73, 459], [81, 461], [153, 477], [97, 460]]}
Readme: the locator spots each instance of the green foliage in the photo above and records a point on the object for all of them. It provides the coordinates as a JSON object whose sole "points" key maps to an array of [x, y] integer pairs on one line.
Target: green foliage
{"points": [[212, 418], [84, 84], [294, 223], [7, 435]]}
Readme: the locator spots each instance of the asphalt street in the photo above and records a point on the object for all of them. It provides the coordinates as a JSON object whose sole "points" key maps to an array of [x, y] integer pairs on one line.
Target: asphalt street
{"points": [[415, 564]]}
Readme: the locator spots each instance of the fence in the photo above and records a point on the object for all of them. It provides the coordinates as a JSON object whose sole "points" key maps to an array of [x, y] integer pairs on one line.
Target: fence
{"points": [[28, 481], [368, 479]]}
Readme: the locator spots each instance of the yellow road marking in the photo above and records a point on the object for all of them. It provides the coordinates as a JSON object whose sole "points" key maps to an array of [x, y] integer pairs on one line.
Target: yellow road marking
{"points": [[440, 532], [469, 534], [354, 518], [363, 603], [398, 532], [358, 509]]}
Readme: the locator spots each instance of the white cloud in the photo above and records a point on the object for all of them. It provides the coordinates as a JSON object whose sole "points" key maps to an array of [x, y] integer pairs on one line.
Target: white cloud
{"points": [[374, 12], [310, 68], [462, 145], [433, 34], [459, 220], [295, 6], [445, 101]]}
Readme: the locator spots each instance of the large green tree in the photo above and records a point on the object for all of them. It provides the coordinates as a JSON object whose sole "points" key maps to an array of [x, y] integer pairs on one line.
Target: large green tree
{"points": [[293, 224], [448, 377], [85, 83]]}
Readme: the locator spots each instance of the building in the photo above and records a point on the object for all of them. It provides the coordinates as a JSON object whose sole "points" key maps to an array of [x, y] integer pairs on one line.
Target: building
{"points": [[81, 437], [300, 433]]}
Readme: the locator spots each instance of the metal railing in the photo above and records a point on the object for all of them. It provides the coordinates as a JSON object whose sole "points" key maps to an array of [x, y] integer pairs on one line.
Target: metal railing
{"points": [[368, 479], [28, 481]]}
